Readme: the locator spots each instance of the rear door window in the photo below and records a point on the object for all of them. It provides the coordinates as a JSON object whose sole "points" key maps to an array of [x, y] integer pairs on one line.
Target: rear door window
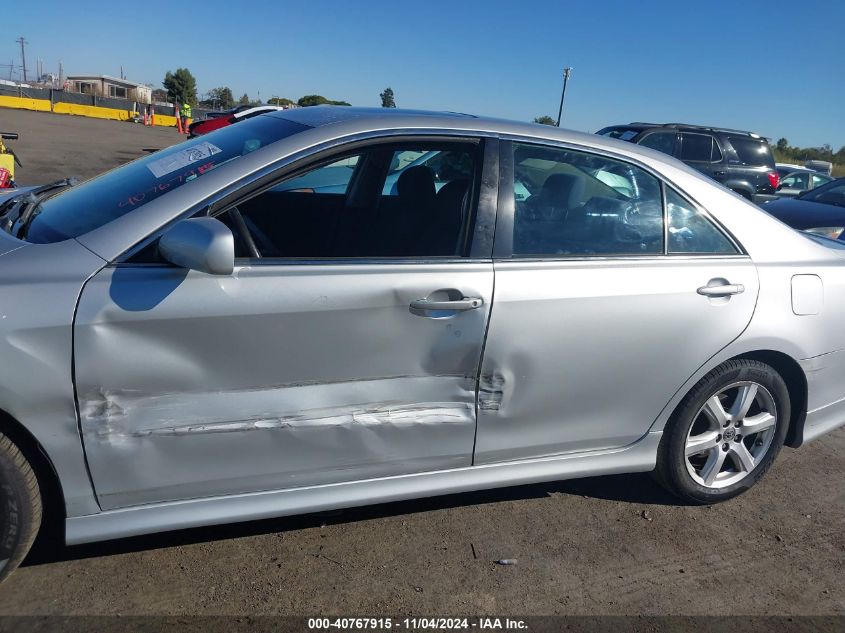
{"points": [[696, 147], [570, 203], [690, 231]]}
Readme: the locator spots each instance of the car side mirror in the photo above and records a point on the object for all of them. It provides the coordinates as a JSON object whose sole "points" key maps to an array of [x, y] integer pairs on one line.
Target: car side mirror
{"points": [[203, 244]]}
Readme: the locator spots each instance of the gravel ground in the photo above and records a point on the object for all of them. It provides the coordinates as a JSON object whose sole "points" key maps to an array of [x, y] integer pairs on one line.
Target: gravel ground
{"points": [[54, 146], [609, 545]]}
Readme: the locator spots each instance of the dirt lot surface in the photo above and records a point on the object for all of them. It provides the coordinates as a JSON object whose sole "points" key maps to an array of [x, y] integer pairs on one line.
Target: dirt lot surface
{"points": [[54, 146], [610, 545]]}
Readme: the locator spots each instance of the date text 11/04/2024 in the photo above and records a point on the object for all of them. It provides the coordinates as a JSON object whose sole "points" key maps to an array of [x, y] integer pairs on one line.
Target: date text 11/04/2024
{"points": [[416, 624]]}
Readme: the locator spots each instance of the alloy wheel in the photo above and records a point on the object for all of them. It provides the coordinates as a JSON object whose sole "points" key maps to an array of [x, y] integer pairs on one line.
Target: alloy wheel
{"points": [[730, 434]]}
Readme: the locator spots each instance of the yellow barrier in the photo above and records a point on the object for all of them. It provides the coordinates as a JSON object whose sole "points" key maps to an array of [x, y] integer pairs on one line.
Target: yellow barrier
{"points": [[92, 111], [165, 120], [23, 103], [97, 112]]}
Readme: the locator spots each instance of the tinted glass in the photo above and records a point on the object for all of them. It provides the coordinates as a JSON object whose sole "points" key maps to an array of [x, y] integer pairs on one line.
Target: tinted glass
{"points": [[820, 180], [661, 141], [331, 178], [573, 203], [98, 201], [402, 202], [696, 147], [622, 133], [690, 231], [752, 151], [446, 166]]}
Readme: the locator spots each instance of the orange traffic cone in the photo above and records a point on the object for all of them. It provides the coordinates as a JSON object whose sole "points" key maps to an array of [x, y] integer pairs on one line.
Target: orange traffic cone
{"points": [[178, 120], [152, 115]]}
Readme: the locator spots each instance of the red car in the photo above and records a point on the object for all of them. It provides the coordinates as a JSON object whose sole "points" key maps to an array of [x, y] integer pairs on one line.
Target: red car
{"points": [[204, 126]]}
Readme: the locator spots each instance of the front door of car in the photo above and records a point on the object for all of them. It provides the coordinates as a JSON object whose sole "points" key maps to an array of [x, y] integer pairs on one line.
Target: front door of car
{"points": [[345, 346], [598, 320]]}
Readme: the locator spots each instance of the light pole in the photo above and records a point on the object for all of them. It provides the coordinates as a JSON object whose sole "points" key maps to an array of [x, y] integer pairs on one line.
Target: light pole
{"points": [[566, 72]]}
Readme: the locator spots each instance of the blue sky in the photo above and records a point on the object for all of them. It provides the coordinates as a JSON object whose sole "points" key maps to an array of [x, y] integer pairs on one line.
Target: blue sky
{"points": [[772, 66]]}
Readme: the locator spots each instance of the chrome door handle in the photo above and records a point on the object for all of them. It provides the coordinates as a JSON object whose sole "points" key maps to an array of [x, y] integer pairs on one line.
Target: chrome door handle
{"points": [[722, 290], [456, 305]]}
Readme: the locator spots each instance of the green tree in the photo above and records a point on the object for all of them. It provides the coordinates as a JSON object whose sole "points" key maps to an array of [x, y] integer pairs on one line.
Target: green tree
{"points": [[219, 98], [782, 144], [244, 100], [313, 100], [181, 86], [280, 101], [544, 120], [387, 100]]}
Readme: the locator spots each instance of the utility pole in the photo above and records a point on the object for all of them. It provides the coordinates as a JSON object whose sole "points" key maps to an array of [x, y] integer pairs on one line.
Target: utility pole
{"points": [[566, 72], [23, 42]]}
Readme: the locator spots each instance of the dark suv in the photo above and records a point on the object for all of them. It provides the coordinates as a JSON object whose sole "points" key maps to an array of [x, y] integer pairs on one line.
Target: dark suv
{"points": [[741, 161]]}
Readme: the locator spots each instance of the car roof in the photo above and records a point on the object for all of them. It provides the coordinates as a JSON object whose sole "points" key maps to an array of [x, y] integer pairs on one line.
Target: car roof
{"points": [[640, 125], [368, 119]]}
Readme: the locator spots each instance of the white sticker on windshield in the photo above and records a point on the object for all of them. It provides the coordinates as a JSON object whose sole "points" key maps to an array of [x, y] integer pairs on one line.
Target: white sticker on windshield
{"points": [[183, 158]]}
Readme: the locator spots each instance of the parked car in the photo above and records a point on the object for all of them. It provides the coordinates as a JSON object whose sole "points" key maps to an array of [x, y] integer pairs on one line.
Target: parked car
{"points": [[820, 211], [214, 114], [796, 181], [187, 344], [823, 166], [242, 113], [741, 161]]}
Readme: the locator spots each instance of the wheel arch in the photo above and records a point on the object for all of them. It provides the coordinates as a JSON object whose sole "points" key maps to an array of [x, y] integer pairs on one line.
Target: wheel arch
{"points": [[52, 497], [796, 384]]}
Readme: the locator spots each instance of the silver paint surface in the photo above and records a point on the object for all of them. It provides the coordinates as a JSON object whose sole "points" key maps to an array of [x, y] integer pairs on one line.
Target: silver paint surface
{"points": [[195, 385], [284, 389]]}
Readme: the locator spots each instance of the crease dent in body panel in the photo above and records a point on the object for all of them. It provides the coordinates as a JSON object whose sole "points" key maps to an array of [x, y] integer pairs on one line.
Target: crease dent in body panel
{"points": [[491, 391], [124, 414]]}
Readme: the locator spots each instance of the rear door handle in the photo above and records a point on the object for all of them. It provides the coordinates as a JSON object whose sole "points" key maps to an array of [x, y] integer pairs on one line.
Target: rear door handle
{"points": [[720, 289], [456, 305]]}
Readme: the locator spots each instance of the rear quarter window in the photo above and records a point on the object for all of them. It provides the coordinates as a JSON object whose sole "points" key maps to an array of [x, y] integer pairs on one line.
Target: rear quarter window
{"points": [[752, 151]]}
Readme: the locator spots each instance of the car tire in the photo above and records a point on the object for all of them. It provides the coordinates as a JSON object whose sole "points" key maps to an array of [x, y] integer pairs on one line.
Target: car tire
{"points": [[725, 433], [20, 506]]}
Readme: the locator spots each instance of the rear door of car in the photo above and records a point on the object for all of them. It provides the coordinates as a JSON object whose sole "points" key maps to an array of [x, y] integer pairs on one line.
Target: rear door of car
{"points": [[322, 361], [603, 309]]}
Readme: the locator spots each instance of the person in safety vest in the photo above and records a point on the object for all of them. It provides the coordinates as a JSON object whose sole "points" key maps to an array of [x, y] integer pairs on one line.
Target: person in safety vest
{"points": [[186, 115]]}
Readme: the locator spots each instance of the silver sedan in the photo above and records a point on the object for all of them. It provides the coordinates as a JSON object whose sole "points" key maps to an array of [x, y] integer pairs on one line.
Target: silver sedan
{"points": [[329, 307]]}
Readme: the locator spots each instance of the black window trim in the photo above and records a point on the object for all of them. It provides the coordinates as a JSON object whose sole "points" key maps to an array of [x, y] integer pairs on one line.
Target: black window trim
{"points": [[503, 239]]}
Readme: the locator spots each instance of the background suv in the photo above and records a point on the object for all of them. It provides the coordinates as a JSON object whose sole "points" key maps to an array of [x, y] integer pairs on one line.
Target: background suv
{"points": [[741, 161]]}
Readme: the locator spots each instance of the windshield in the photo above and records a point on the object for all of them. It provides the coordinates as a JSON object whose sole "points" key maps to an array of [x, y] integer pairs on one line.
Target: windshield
{"points": [[81, 209], [830, 193], [622, 133]]}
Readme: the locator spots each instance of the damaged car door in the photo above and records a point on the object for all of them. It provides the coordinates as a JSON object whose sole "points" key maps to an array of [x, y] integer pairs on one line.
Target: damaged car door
{"points": [[345, 345]]}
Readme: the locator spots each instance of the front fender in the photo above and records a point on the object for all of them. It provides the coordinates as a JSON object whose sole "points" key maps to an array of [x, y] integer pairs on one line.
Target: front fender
{"points": [[39, 288]]}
